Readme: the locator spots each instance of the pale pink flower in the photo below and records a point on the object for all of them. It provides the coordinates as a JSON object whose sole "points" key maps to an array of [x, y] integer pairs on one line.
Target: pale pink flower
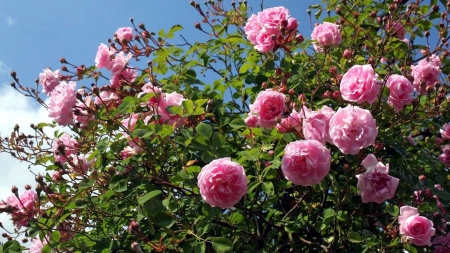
{"points": [[82, 113], [316, 125], [37, 245], [66, 143], [265, 41], [62, 101], [306, 162], [283, 126], [172, 99], [103, 57], [326, 35], [128, 75], [24, 207], [273, 18], [56, 176], [222, 183], [397, 29], [445, 156], [252, 28], [426, 72], [445, 131], [124, 33], [149, 88], [292, 24], [360, 84], [107, 98], [120, 62], [49, 80], [375, 185], [127, 152], [441, 244], [268, 106], [400, 91], [414, 228], [82, 163], [352, 128], [251, 121]]}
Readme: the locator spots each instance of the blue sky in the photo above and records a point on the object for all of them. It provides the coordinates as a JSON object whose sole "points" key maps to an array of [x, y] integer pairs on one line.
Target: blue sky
{"points": [[35, 34]]}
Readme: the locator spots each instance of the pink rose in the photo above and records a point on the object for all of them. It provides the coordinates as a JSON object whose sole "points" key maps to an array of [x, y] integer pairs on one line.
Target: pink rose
{"points": [[120, 62], [150, 88], [62, 101], [37, 245], [283, 126], [82, 112], [49, 80], [107, 98], [222, 183], [251, 121], [397, 29], [306, 162], [82, 163], [56, 176], [265, 42], [252, 28], [445, 156], [292, 24], [273, 18], [360, 84], [124, 33], [441, 244], [316, 125], [126, 77], [172, 99], [375, 185], [400, 91], [268, 106], [445, 131], [414, 228], [66, 143], [426, 72], [24, 207], [352, 128], [326, 35], [103, 57]]}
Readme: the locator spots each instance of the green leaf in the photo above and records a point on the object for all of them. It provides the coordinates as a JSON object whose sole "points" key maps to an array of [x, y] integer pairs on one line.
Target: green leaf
{"points": [[200, 247], [268, 188], [173, 30], [148, 196], [221, 245], [393, 210], [56, 235], [188, 106], [409, 248], [236, 218], [204, 129], [203, 227], [354, 237], [12, 247], [237, 123], [428, 207], [252, 186], [164, 219]]}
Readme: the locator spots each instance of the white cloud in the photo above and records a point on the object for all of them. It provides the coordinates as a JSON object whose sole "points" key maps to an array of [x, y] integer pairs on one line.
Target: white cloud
{"points": [[16, 109], [4, 69], [10, 21]]}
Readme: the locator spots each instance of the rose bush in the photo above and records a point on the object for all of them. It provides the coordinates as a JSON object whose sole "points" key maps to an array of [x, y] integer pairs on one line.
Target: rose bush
{"points": [[254, 139]]}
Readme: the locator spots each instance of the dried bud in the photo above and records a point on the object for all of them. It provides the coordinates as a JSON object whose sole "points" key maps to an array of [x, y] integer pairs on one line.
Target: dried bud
{"points": [[378, 146], [145, 34], [392, 7], [64, 68], [24, 240], [141, 26], [13, 74], [62, 60], [338, 11], [373, 14], [299, 38], [15, 191], [197, 25], [4, 235], [427, 34], [134, 228], [192, 3], [39, 178], [233, 4], [16, 128], [27, 187], [435, 8]]}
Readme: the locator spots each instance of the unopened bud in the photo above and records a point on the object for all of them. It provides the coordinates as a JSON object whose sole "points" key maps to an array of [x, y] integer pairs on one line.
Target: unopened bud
{"points": [[13, 74], [15, 191], [141, 26], [422, 177], [347, 54], [299, 38], [39, 178], [134, 228], [427, 34], [332, 71], [302, 98], [429, 88], [435, 8], [326, 94], [336, 94], [64, 68], [197, 25], [338, 11], [291, 92], [135, 246], [27, 187], [24, 240], [373, 14], [378, 146], [264, 85], [62, 60]]}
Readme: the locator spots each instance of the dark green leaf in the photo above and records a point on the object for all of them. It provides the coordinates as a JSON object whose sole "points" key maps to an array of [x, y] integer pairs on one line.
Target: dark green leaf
{"points": [[148, 196], [204, 129], [354, 237], [221, 245]]}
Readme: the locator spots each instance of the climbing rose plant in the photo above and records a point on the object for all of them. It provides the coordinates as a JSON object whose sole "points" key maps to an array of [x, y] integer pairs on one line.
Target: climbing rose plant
{"points": [[261, 138]]}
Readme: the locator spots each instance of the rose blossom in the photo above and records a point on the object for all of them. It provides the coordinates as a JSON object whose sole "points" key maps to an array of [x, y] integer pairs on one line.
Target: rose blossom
{"points": [[124, 33], [128, 75], [414, 228], [268, 106], [375, 185], [400, 91], [68, 143], [445, 131], [119, 63], [426, 72], [107, 98], [445, 156], [81, 112], [49, 80], [62, 101], [326, 35], [37, 245], [316, 125], [150, 88], [352, 128], [360, 84], [264, 41], [103, 57], [252, 28], [24, 208], [306, 162], [397, 28], [442, 244], [222, 183], [82, 163], [172, 99], [273, 18], [251, 121]]}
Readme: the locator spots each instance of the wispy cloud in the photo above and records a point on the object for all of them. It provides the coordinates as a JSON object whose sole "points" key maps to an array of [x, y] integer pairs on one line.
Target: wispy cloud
{"points": [[4, 69], [10, 20]]}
